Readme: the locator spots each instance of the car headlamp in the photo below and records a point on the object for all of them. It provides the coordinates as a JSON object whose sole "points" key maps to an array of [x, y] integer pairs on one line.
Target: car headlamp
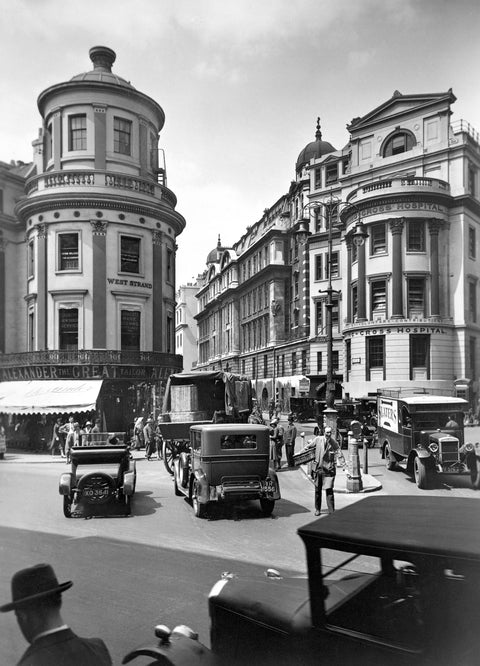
{"points": [[433, 446]]}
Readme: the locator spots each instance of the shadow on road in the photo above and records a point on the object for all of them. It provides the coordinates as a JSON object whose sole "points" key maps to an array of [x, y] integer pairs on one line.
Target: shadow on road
{"points": [[143, 504]]}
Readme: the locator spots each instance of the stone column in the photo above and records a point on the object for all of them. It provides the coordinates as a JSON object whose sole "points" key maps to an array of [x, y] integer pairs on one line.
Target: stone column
{"points": [[100, 123], [348, 243], [42, 313], [57, 140], [361, 285], [396, 226], [157, 281], [99, 284], [434, 227]]}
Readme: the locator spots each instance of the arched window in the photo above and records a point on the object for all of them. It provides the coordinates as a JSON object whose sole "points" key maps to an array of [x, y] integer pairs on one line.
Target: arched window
{"points": [[398, 143]]}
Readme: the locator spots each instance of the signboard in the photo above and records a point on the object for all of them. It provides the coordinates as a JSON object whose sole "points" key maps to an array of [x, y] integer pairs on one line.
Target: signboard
{"points": [[388, 414], [304, 385], [98, 371]]}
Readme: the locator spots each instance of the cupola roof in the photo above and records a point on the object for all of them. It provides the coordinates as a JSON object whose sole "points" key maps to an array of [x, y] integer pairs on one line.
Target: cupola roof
{"points": [[214, 255], [314, 149], [102, 58]]}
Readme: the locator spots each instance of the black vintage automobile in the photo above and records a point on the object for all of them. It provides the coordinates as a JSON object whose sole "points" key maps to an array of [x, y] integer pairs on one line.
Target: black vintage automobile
{"points": [[227, 463], [101, 479], [391, 580]]}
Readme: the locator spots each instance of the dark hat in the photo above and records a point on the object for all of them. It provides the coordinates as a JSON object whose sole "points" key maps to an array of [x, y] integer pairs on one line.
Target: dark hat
{"points": [[34, 583]]}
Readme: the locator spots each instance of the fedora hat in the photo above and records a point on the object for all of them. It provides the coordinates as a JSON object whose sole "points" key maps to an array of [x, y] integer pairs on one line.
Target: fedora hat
{"points": [[34, 583]]}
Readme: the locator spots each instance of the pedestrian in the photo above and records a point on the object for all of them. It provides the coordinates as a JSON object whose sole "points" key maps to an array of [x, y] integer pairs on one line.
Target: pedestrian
{"points": [[256, 416], [87, 434], [149, 437], [289, 440], [37, 601], [158, 440], [138, 433], [451, 423], [58, 438], [271, 409], [324, 468], [276, 435], [74, 438]]}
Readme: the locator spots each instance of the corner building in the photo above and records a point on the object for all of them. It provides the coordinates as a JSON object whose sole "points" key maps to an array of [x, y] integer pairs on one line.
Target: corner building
{"points": [[408, 314], [97, 232]]}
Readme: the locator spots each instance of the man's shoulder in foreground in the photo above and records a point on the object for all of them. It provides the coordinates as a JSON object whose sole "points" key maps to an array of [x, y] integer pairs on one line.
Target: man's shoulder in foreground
{"points": [[65, 648]]}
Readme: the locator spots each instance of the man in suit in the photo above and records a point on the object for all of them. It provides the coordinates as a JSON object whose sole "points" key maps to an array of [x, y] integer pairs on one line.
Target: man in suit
{"points": [[327, 450], [36, 600]]}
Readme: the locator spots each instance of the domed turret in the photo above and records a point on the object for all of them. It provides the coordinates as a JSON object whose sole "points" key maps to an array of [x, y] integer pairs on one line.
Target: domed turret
{"points": [[214, 255], [102, 58], [314, 149]]}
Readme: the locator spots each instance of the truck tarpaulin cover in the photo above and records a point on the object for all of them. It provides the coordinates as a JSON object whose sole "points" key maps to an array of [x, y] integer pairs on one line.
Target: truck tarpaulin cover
{"points": [[236, 390]]}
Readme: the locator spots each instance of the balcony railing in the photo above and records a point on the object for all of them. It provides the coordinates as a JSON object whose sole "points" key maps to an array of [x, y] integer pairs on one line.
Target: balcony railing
{"points": [[87, 357], [97, 180], [397, 185]]}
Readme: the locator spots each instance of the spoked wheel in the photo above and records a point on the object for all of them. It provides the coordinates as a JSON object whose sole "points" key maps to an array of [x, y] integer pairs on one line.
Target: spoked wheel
{"points": [[390, 461], [200, 510], [168, 454], [67, 506], [421, 473], [267, 506]]}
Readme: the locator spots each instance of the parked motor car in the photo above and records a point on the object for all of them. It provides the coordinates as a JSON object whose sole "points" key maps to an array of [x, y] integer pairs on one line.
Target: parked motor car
{"points": [[391, 580], [227, 462], [100, 477]]}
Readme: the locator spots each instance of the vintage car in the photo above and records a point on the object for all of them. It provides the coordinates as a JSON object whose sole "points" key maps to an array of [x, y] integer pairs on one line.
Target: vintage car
{"points": [[227, 463], [391, 580], [100, 477]]}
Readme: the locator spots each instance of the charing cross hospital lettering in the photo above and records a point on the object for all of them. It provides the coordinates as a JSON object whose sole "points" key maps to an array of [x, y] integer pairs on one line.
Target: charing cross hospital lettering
{"points": [[403, 206], [401, 329]]}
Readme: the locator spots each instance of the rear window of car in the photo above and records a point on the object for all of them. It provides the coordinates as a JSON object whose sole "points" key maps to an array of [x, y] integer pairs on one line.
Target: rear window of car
{"points": [[238, 442]]}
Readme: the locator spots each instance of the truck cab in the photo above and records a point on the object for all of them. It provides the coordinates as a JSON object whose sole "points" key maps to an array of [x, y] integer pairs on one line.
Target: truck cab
{"points": [[426, 431]]}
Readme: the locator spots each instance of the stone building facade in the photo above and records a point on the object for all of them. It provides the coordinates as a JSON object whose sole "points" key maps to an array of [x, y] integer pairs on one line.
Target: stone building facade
{"points": [[404, 310]]}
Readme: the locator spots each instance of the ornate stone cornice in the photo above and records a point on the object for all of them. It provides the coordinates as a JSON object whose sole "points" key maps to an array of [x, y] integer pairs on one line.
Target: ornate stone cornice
{"points": [[99, 227]]}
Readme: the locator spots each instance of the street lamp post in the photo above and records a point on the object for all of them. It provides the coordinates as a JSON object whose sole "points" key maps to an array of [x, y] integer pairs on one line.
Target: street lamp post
{"points": [[332, 205]]}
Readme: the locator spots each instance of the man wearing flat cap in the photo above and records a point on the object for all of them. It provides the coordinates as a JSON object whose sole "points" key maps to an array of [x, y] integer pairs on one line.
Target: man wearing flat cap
{"points": [[36, 600]]}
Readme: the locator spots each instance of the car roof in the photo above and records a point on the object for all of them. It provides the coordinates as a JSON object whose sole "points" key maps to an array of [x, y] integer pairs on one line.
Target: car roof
{"points": [[427, 399], [411, 525], [243, 428]]}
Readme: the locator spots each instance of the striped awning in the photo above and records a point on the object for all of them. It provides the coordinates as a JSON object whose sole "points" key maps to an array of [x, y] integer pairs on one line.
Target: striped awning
{"points": [[49, 396]]}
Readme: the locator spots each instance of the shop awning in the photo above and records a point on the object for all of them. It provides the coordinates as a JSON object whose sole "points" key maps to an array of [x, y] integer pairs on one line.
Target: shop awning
{"points": [[49, 396]]}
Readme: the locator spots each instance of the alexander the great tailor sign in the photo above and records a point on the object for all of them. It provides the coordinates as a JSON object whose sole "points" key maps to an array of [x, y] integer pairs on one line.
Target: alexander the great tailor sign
{"points": [[99, 371]]}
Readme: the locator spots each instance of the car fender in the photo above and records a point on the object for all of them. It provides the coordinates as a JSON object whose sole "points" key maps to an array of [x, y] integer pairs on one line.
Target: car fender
{"points": [[273, 478], [129, 483], [203, 487], [65, 484]]}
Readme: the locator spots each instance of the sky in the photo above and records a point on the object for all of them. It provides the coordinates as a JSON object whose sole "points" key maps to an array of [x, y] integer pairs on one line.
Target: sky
{"points": [[241, 83]]}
